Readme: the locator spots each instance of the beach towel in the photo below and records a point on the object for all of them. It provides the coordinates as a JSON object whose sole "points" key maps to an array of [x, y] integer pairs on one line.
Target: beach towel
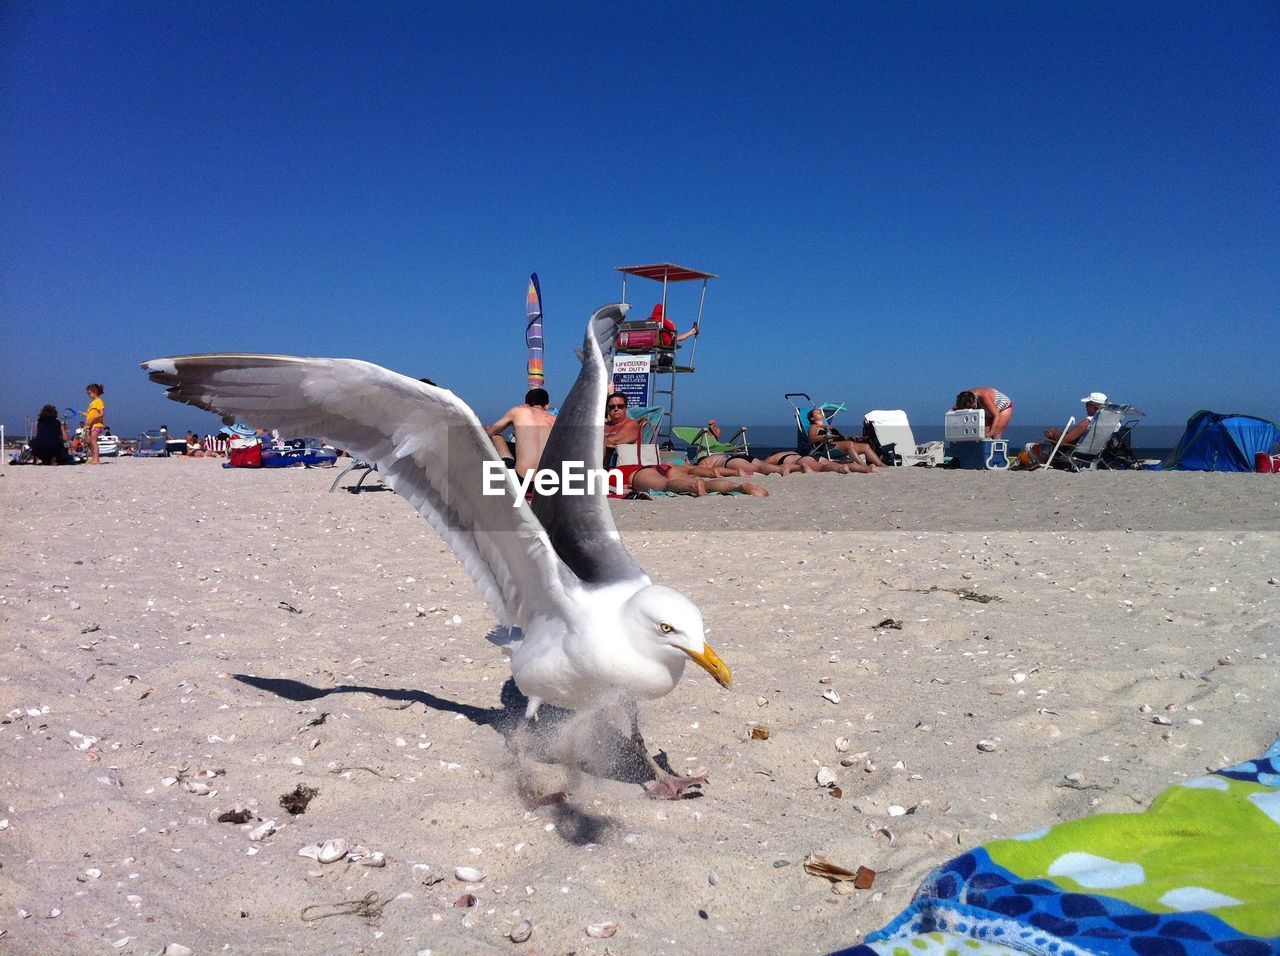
{"points": [[1196, 872]]}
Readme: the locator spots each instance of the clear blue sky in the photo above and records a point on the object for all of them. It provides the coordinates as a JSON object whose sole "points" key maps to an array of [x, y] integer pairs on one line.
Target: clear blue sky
{"points": [[902, 199]]}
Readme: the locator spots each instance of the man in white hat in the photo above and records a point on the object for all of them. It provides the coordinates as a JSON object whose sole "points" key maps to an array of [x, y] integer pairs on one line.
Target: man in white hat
{"points": [[1038, 454]]}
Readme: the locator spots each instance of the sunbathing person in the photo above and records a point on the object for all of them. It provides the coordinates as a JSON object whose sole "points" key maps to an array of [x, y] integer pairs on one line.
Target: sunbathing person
{"points": [[741, 462], [680, 480], [619, 429], [862, 457], [809, 465], [1037, 454], [997, 405]]}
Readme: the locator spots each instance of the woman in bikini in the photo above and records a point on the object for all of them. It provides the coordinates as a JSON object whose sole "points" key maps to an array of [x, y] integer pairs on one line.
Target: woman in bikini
{"points": [[683, 480], [741, 463], [808, 464], [997, 405], [862, 457]]}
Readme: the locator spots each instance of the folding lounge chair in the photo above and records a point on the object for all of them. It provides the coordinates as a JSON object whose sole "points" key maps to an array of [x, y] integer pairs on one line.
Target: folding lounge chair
{"points": [[802, 409], [363, 467], [1119, 454], [1088, 452], [702, 443], [650, 420], [894, 442]]}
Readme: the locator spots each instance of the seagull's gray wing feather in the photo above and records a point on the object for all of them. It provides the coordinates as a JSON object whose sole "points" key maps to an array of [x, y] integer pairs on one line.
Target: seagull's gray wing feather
{"points": [[581, 527], [428, 446]]}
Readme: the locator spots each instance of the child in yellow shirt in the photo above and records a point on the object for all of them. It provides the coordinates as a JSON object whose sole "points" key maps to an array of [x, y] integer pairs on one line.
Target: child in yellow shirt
{"points": [[94, 420]]}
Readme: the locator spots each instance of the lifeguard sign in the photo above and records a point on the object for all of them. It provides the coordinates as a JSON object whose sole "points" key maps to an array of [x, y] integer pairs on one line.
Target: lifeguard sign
{"points": [[656, 336]]}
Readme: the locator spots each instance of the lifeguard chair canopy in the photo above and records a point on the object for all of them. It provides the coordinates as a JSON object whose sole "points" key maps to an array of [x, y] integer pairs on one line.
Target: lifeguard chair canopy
{"points": [[666, 370], [667, 271]]}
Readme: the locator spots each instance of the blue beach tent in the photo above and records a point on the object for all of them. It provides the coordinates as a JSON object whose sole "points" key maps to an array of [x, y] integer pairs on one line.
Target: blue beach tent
{"points": [[1214, 442]]}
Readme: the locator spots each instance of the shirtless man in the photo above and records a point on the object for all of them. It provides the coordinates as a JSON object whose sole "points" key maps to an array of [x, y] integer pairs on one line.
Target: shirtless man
{"points": [[824, 436], [618, 428], [1037, 454], [532, 424]]}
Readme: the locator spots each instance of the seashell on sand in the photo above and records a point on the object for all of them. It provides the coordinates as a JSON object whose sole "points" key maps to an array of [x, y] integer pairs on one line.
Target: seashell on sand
{"points": [[843, 744], [601, 930], [819, 864], [331, 851], [522, 932], [826, 777], [261, 832], [468, 874]]}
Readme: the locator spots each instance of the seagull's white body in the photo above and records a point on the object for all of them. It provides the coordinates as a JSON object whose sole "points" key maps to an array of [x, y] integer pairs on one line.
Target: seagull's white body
{"points": [[591, 627]]}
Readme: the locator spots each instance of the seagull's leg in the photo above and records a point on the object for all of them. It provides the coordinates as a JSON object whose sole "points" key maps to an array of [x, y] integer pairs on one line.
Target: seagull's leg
{"points": [[532, 799], [666, 786]]}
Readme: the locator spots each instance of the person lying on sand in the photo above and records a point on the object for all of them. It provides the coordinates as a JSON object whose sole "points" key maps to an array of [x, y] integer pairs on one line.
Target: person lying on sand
{"points": [[809, 465], [680, 480], [740, 462]]}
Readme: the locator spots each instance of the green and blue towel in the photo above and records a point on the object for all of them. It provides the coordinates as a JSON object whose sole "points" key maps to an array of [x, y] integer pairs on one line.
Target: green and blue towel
{"points": [[1198, 872]]}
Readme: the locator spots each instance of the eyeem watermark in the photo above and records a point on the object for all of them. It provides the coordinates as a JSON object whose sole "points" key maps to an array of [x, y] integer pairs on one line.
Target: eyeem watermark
{"points": [[573, 478]]}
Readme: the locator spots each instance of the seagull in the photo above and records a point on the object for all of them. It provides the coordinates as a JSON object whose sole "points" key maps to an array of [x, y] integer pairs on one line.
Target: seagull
{"points": [[585, 626]]}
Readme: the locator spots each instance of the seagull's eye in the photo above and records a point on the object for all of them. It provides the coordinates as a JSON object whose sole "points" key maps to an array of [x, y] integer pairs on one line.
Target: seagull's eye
{"points": [[665, 628]]}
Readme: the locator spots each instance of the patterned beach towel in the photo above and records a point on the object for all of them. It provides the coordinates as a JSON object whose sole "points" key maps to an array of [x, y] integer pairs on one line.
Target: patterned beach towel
{"points": [[1197, 872]]}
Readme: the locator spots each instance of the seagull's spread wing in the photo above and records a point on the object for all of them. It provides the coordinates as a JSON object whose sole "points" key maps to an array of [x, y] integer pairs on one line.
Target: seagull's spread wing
{"points": [[428, 446], [581, 526]]}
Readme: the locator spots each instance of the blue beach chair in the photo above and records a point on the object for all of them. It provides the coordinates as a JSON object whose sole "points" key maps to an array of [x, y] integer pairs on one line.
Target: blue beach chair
{"points": [[802, 404]]}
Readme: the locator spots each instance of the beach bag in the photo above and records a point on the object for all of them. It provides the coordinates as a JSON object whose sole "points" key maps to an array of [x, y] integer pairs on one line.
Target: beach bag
{"points": [[245, 455], [631, 458], [1266, 463]]}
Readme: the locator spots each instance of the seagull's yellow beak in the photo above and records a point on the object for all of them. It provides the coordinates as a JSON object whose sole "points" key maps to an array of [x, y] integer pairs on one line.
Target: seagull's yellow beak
{"points": [[710, 661]]}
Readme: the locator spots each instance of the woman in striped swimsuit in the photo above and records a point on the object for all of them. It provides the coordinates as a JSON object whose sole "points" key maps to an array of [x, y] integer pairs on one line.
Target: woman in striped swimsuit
{"points": [[997, 405]]}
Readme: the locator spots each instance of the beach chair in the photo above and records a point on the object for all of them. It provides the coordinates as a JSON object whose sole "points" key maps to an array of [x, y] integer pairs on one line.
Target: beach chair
{"points": [[893, 441], [1089, 451], [150, 444], [802, 405], [1119, 454], [701, 442], [650, 419], [365, 470]]}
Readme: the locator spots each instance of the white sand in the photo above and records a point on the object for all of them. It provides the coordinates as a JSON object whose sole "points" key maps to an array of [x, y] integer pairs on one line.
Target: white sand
{"points": [[144, 605]]}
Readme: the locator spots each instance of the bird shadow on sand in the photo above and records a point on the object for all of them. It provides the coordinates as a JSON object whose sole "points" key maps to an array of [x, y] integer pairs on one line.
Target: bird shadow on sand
{"points": [[582, 743]]}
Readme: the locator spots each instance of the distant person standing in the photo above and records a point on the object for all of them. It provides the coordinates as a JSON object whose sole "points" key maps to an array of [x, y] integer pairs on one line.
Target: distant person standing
{"points": [[49, 444], [94, 420], [997, 405], [531, 423]]}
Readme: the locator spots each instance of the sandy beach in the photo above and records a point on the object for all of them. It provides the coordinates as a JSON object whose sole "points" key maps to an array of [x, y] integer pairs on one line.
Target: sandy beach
{"points": [[183, 640]]}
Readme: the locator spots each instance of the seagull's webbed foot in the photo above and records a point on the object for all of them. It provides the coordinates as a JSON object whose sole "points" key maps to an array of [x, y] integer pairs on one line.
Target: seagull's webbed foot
{"points": [[529, 796], [666, 785]]}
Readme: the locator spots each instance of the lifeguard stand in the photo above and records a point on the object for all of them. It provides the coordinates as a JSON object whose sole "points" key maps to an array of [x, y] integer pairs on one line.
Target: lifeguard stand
{"points": [[667, 363]]}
